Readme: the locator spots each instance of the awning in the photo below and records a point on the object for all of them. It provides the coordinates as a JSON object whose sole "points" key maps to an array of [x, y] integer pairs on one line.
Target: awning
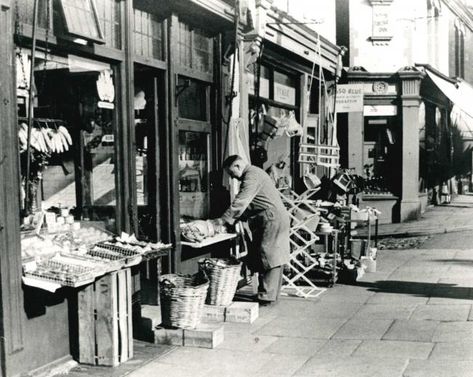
{"points": [[460, 93]]}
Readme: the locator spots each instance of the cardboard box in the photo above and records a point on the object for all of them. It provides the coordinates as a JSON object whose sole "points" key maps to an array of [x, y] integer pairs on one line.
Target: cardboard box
{"points": [[205, 335], [244, 312]]}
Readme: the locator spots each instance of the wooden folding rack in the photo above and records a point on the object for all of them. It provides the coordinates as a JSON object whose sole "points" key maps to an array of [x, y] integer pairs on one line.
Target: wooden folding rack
{"points": [[302, 237], [320, 155]]}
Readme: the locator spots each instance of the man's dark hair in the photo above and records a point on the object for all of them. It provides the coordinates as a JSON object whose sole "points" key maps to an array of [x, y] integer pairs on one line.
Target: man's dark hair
{"points": [[230, 160]]}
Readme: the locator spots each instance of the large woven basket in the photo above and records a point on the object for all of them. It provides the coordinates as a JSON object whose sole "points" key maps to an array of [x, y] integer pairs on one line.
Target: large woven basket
{"points": [[182, 299], [223, 275]]}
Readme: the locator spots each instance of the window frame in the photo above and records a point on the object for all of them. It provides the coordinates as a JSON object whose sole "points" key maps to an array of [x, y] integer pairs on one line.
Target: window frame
{"points": [[100, 39]]}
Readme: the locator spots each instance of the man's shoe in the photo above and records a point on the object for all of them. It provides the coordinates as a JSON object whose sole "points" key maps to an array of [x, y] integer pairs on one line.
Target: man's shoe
{"points": [[266, 303]]}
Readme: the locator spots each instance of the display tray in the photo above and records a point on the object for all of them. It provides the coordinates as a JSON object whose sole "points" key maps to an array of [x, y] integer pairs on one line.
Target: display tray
{"points": [[210, 240], [156, 253], [67, 271], [126, 256]]}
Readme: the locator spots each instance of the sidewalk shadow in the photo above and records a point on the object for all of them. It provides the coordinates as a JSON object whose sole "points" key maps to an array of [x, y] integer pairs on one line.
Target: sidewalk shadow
{"points": [[463, 262], [420, 289]]}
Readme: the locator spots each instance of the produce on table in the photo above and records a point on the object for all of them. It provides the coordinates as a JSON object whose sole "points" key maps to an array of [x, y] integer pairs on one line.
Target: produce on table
{"points": [[198, 230]]}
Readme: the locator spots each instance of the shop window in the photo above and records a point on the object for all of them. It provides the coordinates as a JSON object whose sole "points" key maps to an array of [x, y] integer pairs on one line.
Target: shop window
{"points": [[81, 19], [195, 49], [264, 79], [109, 16], [73, 161], [192, 99], [148, 35], [193, 174], [381, 149]]}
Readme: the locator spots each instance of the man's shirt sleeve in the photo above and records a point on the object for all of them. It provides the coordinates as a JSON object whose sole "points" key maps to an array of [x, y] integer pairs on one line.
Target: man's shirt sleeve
{"points": [[248, 189]]}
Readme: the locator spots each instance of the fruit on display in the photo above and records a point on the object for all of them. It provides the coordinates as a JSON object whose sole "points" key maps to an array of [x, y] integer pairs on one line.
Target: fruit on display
{"points": [[45, 139], [199, 230]]}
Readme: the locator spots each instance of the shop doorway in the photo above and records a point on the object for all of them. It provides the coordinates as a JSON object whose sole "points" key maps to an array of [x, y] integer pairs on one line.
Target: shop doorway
{"points": [[149, 118]]}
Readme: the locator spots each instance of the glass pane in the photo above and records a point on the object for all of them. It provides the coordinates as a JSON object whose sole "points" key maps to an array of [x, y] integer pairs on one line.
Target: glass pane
{"points": [[25, 12], [192, 99], [193, 175], [73, 153], [202, 52], [148, 33], [185, 45], [80, 18], [108, 12]]}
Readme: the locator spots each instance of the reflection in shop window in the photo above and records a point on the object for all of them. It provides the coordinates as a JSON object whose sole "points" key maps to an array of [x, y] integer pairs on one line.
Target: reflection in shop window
{"points": [[192, 99], [108, 12], [148, 35], [24, 12], [195, 48], [73, 158], [193, 175]]}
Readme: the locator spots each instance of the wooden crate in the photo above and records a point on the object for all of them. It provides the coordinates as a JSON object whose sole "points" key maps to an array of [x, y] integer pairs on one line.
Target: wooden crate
{"points": [[245, 312], [205, 335], [213, 313], [105, 330]]}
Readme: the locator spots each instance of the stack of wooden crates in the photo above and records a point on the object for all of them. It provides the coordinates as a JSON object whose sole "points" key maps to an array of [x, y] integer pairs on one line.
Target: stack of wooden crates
{"points": [[104, 311]]}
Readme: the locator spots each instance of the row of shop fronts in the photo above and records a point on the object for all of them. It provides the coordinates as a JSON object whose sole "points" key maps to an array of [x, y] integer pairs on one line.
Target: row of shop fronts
{"points": [[154, 96], [411, 141], [149, 92]]}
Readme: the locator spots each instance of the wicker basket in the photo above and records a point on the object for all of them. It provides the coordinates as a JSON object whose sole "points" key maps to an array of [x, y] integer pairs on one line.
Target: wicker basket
{"points": [[182, 299], [223, 275]]}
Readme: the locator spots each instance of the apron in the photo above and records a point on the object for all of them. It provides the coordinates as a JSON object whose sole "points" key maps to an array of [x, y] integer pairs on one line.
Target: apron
{"points": [[270, 245]]}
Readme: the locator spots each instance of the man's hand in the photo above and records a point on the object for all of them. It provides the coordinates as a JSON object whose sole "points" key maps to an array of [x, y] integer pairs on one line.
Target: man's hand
{"points": [[218, 221]]}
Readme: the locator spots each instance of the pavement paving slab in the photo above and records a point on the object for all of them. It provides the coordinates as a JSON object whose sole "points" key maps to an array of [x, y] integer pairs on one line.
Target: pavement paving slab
{"points": [[245, 341], [295, 346], [384, 311], [393, 298], [283, 364], [453, 351], [439, 368], [222, 360], [441, 312], [334, 348], [352, 366], [357, 328], [391, 349], [453, 332], [412, 330], [318, 328], [168, 370]]}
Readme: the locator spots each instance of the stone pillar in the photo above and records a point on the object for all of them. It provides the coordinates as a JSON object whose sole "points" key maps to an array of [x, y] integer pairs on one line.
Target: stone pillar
{"points": [[409, 207]]}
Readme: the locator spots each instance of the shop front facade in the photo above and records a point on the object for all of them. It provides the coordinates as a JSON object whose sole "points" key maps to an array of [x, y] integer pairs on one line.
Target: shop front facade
{"points": [[129, 93], [404, 141], [132, 95], [293, 82]]}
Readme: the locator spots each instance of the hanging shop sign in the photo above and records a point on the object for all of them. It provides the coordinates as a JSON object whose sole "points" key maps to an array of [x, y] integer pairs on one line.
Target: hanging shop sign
{"points": [[349, 98], [284, 94], [263, 86], [380, 110]]}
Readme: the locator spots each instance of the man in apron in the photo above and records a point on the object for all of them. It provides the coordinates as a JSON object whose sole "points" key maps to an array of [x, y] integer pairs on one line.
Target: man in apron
{"points": [[259, 202]]}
